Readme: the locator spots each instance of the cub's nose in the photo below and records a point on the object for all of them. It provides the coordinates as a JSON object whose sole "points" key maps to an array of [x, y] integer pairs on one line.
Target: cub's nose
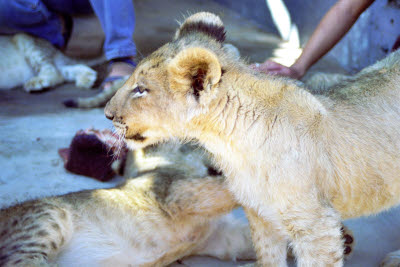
{"points": [[108, 114]]}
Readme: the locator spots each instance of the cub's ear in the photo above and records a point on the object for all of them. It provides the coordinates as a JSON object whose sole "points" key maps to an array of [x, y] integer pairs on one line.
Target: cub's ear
{"points": [[194, 71], [204, 23]]}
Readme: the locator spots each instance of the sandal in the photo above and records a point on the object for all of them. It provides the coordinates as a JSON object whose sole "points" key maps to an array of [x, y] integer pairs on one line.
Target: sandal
{"points": [[112, 79], [124, 60]]}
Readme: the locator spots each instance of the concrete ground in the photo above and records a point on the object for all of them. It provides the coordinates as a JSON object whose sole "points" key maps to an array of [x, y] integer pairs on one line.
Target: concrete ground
{"points": [[34, 126]]}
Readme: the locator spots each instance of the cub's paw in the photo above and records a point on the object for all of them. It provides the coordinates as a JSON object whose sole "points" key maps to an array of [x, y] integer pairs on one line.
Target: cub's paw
{"points": [[40, 83], [348, 241], [391, 260], [249, 265], [82, 75], [85, 77], [35, 84]]}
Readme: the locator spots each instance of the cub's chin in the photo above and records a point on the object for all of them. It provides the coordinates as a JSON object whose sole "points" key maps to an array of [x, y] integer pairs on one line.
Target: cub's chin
{"points": [[136, 137], [137, 141], [146, 138], [132, 145]]}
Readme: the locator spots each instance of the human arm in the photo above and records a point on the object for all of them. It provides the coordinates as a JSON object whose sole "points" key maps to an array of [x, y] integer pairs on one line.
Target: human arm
{"points": [[333, 26]]}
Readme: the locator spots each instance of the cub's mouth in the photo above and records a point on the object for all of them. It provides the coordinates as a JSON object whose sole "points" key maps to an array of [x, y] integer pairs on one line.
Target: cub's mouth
{"points": [[122, 130], [136, 137]]}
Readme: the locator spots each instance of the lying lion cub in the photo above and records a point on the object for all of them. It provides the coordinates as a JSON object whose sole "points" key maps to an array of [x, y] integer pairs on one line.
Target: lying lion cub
{"points": [[172, 209], [298, 163], [34, 63]]}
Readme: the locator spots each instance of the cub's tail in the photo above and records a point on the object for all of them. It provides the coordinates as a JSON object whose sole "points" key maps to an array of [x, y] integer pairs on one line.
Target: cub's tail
{"points": [[98, 100]]}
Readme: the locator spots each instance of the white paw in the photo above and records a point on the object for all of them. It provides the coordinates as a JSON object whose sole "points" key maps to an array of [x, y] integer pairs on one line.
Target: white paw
{"points": [[86, 78], [39, 83], [392, 259], [48, 77], [83, 76], [35, 84], [249, 265]]}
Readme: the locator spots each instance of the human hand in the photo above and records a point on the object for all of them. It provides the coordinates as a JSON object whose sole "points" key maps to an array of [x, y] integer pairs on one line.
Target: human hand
{"points": [[273, 68]]}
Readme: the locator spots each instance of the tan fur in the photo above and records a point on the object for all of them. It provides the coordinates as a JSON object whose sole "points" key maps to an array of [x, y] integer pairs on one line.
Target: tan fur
{"points": [[319, 82], [158, 217], [104, 96], [37, 65], [297, 162]]}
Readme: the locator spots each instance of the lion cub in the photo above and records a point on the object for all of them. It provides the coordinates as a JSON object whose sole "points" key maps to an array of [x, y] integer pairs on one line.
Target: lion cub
{"points": [[298, 163], [172, 209], [34, 63]]}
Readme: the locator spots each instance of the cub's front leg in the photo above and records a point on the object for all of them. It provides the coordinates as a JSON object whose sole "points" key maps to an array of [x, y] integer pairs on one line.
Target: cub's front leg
{"points": [[268, 241], [315, 236], [292, 198], [312, 225]]}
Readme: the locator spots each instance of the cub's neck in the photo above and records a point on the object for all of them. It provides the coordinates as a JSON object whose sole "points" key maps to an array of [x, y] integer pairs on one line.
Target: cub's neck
{"points": [[247, 109]]}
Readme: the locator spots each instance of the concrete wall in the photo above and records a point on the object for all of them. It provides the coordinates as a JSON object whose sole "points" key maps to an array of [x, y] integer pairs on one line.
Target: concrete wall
{"points": [[369, 40]]}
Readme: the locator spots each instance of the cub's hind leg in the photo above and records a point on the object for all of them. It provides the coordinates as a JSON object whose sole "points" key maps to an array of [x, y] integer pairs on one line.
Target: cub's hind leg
{"points": [[230, 239], [32, 233], [392, 259], [38, 53], [203, 202], [197, 197]]}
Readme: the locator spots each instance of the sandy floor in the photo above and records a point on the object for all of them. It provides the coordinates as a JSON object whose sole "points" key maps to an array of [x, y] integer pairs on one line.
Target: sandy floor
{"points": [[34, 126]]}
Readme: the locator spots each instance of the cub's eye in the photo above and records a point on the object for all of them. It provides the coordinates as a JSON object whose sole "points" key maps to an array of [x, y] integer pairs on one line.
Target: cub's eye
{"points": [[139, 92]]}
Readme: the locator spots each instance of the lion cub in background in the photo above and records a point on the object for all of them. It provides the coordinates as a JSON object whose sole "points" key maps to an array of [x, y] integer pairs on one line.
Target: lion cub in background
{"points": [[36, 65]]}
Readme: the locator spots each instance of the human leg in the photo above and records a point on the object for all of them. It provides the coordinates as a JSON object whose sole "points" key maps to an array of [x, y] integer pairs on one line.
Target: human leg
{"points": [[32, 17], [72, 7], [48, 19], [117, 19]]}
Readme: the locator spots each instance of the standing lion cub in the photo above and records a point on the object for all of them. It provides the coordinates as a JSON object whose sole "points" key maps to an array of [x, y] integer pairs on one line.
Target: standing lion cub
{"points": [[298, 163]]}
